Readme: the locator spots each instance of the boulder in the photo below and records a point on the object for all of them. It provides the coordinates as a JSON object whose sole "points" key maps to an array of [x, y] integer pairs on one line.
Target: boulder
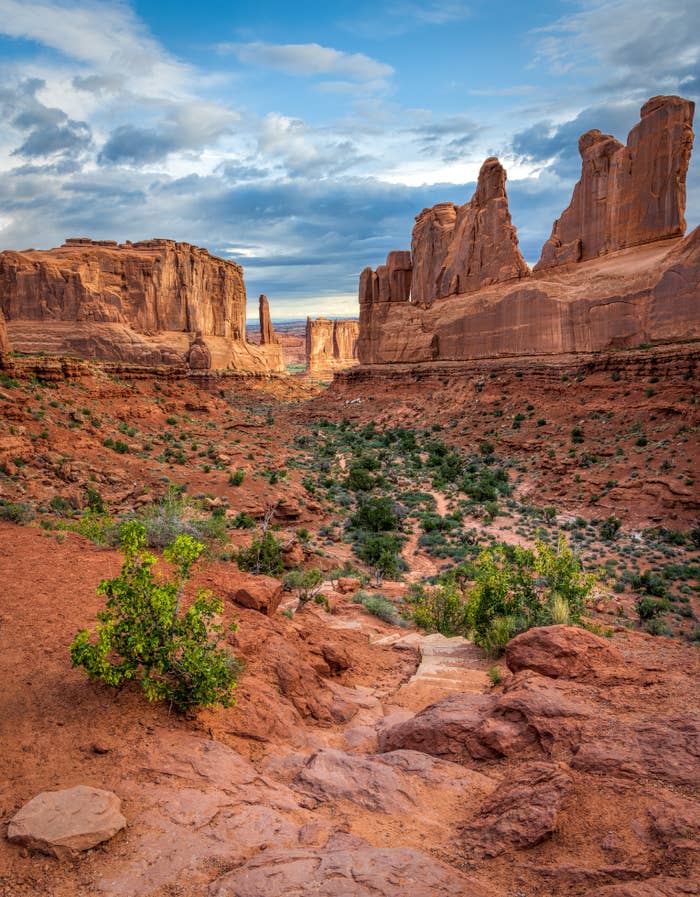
{"points": [[562, 652], [346, 585], [521, 813], [61, 823], [261, 593]]}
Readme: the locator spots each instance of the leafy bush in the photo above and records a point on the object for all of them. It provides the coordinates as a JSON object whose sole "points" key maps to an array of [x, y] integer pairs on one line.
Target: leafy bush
{"points": [[243, 521], [16, 512], [513, 590], [649, 608], [142, 634], [263, 556], [609, 528], [95, 502], [307, 581], [442, 608], [378, 606], [175, 515], [376, 515], [381, 552]]}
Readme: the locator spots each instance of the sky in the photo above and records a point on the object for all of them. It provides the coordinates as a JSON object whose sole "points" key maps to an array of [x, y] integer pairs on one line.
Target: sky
{"points": [[301, 139]]}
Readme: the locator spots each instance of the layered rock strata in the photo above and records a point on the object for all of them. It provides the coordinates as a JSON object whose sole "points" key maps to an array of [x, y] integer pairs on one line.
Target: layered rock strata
{"points": [[153, 302], [616, 272], [627, 195], [330, 345], [5, 347], [267, 331]]}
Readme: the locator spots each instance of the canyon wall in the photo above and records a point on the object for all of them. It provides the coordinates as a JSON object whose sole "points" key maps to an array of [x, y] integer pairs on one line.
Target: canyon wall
{"points": [[5, 347], [154, 302], [330, 345], [615, 273]]}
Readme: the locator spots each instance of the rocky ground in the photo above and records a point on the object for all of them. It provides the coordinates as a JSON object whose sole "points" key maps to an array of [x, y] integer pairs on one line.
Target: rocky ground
{"points": [[363, 757]]}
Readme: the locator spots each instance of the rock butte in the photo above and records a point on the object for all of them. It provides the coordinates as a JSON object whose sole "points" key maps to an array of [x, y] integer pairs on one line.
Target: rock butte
{"points": [[615, 273], [154, 302], [330, 345]]}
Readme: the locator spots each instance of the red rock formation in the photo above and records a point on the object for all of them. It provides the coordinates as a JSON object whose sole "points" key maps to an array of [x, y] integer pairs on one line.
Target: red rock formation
{"points": [[629, 199], [131, 302], [5, 347], [330, 345], [267, 331], [461, 249], [627, 195]]}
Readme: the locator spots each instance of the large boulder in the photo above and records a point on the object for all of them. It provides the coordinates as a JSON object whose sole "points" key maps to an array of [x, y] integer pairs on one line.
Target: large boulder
{"points": [[261, 593], [61, 823], [562, 652], [521, 813]]}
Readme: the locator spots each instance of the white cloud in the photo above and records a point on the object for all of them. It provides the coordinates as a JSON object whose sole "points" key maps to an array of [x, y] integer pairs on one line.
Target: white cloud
{"points": [[105, 37], [310, 59]]}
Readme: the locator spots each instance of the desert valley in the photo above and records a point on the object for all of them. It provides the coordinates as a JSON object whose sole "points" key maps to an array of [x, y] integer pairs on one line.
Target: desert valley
{"points": [[453, 548]]}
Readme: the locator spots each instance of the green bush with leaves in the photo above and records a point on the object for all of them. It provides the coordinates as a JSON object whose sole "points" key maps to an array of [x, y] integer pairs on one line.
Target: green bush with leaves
{"points": [[441, 608], [142, 633], [308, 582], [263, 556]]}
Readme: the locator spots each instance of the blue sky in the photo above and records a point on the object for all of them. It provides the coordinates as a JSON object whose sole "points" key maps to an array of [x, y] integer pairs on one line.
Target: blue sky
{"points": [[302, 139]]}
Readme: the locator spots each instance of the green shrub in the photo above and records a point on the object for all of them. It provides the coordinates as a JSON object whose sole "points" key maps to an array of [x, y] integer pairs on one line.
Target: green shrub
{"points": [[95, 502], [609, 528], [441, 608], [97, 528], [649, 608], [16, 511], [381, 553], [142, 634], [376, 515], [243, 521], [378, 606], [263, 556], [308, 582]]}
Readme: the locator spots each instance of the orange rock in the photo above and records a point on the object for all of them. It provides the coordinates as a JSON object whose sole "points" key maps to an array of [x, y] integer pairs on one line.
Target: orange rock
{"points": [[261, 593], [135, 303], [267, 331], [5, 347], [627, 195], [330, 345]]}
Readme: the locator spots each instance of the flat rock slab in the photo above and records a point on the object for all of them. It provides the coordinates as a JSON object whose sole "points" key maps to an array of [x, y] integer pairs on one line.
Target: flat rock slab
{"points": [[60, 823], [346, 867], [447, 665]]}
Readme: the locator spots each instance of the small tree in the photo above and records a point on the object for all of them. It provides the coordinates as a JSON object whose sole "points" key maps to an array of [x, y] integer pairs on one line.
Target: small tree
{"points": [[265, 552], [141, 633]]}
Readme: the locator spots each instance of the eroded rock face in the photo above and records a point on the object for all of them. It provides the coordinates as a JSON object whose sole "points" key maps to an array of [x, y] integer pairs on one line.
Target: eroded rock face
{"points": [[627, 195], [61, 823], [461, 249], [330, 345], [267, 331], [5, 347], [346, 867], [199, 356], [136, 303], [639, 283]]}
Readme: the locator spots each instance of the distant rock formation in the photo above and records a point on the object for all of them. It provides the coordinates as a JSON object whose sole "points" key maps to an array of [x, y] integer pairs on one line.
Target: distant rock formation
{"points": [[633, 279], [627, 195], [133, 302], [267, 331], [330, 345]]}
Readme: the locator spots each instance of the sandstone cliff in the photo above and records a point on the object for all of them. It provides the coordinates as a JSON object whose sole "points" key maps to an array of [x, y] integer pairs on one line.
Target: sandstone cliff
{"points": [[330, 345], [142, 302], [634, 280], [4, 338], [627, 195], [267, 331]]}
